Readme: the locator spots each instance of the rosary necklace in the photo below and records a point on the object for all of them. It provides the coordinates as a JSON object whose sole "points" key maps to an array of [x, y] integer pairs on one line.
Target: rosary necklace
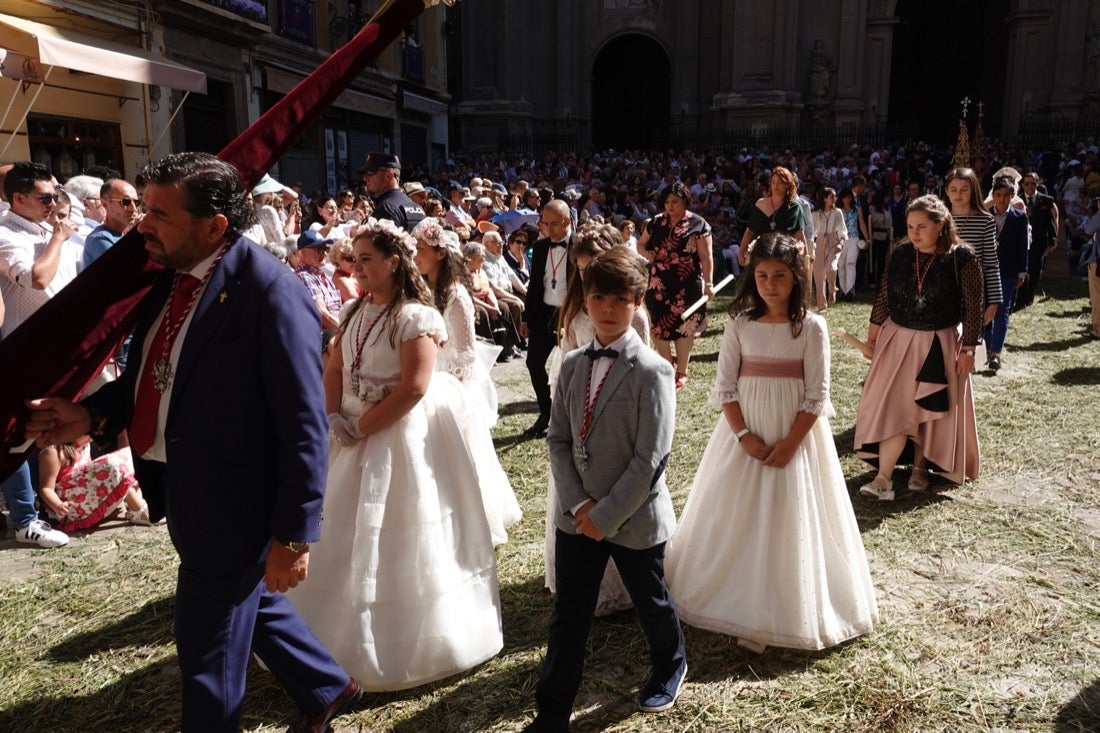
{"points": [[555, 265], [921, 276], [357, 359], [162, 367]]}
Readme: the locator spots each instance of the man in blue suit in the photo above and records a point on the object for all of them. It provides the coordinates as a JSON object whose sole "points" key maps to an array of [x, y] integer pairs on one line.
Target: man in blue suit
{"points": [[225, 409], [1013, 245]]}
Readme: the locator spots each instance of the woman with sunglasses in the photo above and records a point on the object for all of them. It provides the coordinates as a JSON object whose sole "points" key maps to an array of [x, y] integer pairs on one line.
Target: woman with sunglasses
{"points": [[515, 254], [342, 258]]}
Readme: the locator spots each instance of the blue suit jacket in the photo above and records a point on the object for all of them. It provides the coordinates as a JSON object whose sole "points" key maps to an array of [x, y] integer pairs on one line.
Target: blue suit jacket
{"points": [[1012, 244], [246, 432]]}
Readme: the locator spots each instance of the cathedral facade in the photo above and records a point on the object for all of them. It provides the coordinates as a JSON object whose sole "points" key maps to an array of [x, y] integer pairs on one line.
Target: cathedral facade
{"points": [[658, 73]]}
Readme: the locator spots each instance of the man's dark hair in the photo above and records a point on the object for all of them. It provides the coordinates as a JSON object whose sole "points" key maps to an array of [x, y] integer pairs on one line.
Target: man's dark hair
{"points": [[210, 186], [105, 172], [22, 176]]}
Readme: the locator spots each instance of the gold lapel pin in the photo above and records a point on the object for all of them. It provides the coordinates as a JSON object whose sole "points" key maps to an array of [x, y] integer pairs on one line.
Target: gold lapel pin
{"points": [[223, 296]]}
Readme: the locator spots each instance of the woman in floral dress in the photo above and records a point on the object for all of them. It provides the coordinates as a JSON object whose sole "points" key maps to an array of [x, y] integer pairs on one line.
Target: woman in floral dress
{"points": [[678, 246]]}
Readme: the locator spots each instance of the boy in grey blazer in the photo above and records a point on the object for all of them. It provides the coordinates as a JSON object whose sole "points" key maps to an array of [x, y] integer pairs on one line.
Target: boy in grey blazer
{"points": [[611, 426]]}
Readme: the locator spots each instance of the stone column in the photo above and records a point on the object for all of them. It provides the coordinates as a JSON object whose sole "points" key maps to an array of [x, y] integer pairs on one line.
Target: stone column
{"points": [[877, 66], [850, 102]]}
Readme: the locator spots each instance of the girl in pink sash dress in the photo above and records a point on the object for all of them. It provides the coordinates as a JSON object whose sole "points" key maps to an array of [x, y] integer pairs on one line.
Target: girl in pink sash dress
{"points": [[768, 549]]}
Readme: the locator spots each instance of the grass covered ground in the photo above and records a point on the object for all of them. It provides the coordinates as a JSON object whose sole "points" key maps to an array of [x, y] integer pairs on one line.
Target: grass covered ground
{"points": [[989, 593]]}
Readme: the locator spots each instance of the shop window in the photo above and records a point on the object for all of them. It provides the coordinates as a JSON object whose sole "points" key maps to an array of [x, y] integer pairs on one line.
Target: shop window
{"points": [[68, 147], [296, 21], [251, 9]]}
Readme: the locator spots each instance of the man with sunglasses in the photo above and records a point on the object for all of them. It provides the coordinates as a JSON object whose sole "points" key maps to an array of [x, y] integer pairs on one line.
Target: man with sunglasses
{"points": [[312, 253], [382, 177], [31, 240], [123, 210]]}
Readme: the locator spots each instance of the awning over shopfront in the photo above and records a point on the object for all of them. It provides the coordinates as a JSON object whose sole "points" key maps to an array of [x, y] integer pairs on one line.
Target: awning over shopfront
{"points": [[281, 82], [428, 106], [78, 51]]}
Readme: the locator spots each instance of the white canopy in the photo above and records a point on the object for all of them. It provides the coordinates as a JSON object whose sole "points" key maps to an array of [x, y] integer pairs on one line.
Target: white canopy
{"points": [[72, 50]]}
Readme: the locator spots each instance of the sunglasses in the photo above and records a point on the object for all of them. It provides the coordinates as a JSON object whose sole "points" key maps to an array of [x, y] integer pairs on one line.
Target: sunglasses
{"points": [[46, 198], [127, 202]]}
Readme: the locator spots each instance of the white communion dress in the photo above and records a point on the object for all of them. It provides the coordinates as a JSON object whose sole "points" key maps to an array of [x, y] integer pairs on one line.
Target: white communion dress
{"points": [[402, 587], [458, 357], [772, 555]]}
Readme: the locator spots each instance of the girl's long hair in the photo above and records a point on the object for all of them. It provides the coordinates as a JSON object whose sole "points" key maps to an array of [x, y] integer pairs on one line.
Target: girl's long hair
{"points": [[409, 285], [781, 248], [590, 240], [452, 268]]}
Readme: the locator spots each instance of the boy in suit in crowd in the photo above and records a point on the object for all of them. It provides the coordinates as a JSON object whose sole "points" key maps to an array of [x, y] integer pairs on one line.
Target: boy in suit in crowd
{"points": [[610, 436]]}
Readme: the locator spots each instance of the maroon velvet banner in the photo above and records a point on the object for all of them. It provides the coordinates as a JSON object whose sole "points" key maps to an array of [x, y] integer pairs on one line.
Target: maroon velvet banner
{"points": [[58, 350]]}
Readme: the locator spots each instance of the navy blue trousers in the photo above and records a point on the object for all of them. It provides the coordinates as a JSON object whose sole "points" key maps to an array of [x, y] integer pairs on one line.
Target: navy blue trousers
{"points": [[579, 564], [219, 620]]}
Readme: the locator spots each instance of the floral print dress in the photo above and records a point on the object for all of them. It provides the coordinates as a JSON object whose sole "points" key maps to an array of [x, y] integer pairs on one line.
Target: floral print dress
{"points": [[675, 276], [94, 489]]}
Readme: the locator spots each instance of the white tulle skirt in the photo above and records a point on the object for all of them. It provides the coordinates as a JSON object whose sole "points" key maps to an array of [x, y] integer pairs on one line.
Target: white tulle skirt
{"points": [[402, 587], [773, 555]]}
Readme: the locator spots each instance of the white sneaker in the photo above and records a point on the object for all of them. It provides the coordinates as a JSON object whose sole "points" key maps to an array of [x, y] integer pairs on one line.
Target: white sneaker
{"points": [[140, 516], [42, 534], [881, 488]]}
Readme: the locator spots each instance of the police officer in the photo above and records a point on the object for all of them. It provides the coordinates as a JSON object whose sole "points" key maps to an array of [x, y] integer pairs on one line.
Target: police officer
{"points": [[381, 176]]}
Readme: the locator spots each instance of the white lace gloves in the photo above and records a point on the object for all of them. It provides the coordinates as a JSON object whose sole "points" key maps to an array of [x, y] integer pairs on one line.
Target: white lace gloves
{"points": [[343, 431]]}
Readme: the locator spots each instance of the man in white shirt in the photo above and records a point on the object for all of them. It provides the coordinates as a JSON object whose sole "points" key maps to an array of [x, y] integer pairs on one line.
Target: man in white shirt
{"points": [[29, 259], [506, 285], [550, 270], [30, 253], [87, 211]]}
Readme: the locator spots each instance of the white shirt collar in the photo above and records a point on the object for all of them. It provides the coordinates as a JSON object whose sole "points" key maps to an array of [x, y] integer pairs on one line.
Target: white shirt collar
{"points": [[618, 344], [203, 266]]}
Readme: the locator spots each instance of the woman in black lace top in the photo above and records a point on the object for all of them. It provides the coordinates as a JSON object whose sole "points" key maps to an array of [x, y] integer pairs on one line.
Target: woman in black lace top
{"points": [[917, 405]]}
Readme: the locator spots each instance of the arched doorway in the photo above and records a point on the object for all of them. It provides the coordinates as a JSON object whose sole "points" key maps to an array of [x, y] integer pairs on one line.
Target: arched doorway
{"points": [[631, 94], [945, 50]]}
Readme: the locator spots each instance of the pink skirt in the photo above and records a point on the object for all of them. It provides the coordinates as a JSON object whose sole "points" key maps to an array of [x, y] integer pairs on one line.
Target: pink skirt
{"points": [[912, 388]]}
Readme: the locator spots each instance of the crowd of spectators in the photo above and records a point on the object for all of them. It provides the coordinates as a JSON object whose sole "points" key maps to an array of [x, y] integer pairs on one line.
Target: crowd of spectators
{"points": [[492, 202], [626, 185]]}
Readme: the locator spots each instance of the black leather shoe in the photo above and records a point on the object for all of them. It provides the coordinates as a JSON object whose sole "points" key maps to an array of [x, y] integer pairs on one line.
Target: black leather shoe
{"points": [[539, 428], [541, 726], [318, 722]]}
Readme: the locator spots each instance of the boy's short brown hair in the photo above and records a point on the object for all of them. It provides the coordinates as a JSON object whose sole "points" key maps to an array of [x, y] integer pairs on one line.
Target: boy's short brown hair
{"points": [[618, 271]]}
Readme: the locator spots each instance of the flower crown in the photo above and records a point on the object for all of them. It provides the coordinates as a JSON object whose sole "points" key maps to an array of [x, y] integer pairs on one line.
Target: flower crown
{"points": [[386, 228]]}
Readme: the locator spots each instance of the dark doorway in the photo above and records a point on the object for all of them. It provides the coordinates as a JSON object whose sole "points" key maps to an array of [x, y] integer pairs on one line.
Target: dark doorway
{"points": [[206, 118], [945, 50], [631, 94]]}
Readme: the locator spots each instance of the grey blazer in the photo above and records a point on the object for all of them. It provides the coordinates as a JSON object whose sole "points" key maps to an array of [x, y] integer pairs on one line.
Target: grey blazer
{"points": [[627, 448]]}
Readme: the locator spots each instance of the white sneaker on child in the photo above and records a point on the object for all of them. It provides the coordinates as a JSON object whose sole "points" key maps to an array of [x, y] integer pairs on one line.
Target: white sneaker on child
{"points": [[140, 516], [42, 534]]}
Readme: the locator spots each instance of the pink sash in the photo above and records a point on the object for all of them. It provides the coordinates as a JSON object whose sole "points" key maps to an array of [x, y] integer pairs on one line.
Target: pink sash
{"points": [[755, 366]]}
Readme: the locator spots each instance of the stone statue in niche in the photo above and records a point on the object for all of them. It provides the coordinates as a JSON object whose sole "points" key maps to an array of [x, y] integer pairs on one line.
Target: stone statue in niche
{"points": [[821, 71], [1092, 46]]}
